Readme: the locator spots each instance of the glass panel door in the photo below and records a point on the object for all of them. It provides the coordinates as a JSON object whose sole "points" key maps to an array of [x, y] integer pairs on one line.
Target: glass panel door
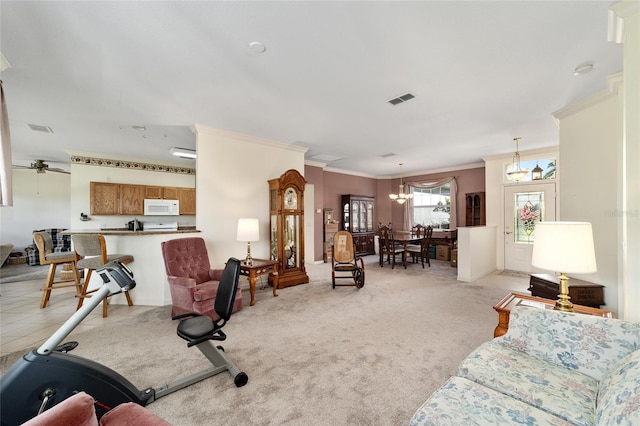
{"points": [[291, 241], [369, 216], [356, 216], [525, 206]]}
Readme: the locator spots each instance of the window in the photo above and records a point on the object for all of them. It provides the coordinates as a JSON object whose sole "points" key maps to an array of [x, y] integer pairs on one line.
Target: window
{"points": [[432, 207], [548, 166]]}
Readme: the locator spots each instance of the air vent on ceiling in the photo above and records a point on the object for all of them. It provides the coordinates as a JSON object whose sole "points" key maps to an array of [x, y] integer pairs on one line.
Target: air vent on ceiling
{"points": [[39, 128], [400, 99], [391, 154]]}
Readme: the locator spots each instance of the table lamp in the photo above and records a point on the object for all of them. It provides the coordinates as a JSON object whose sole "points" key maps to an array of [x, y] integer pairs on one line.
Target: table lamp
{"points": [[564, 247], [248, 230]]}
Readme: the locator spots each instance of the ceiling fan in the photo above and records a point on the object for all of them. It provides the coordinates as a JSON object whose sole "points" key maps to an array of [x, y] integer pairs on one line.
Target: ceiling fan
{"points": [[41, 167]]}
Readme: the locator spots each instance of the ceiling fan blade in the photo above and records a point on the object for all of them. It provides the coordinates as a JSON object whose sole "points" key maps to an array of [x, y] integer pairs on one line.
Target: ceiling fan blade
{"points": [[41, 167], [58, 171]]}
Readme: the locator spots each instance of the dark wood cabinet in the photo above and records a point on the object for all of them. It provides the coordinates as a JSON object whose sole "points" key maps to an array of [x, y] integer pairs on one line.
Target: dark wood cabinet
{"points": [[357, 218], [581, 292], [475, 209]]}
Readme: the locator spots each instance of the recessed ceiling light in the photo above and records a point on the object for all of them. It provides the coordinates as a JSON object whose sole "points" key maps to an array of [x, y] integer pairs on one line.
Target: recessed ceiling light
{"points": [[583, 69], [141, 128], [257, 47]]}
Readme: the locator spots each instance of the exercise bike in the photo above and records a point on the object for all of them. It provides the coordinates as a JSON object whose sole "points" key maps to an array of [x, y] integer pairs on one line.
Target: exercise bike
{"points": [[44, 377]]}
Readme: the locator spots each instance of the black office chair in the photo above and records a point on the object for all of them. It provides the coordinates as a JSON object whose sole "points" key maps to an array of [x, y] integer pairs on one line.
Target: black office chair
{"points": [[198, 330]]}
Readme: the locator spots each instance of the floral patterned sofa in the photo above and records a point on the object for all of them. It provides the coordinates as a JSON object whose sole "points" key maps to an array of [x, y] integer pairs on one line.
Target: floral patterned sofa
{"points": [[551, 368]]}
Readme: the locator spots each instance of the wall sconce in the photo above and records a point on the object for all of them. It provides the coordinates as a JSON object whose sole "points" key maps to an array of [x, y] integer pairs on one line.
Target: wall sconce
{"points": [[248, 230], [564, 247]]}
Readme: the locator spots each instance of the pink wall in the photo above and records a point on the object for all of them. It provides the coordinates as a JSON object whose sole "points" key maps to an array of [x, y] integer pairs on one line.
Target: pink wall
{"points": [[329, 186]]}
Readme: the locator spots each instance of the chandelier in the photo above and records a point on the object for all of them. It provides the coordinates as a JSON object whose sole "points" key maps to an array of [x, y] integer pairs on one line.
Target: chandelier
{"points": [[400, 197], [515, 172]]}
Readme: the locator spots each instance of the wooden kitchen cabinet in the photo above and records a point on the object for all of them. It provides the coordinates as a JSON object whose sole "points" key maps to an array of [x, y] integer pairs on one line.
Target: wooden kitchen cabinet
{"points": [[187, 197], [104, 198], [161, 192], [131, 199], [107, 198]]}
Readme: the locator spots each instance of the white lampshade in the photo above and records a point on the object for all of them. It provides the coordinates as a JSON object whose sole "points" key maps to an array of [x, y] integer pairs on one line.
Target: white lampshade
{"points": [[564, 247], [248, 229]]}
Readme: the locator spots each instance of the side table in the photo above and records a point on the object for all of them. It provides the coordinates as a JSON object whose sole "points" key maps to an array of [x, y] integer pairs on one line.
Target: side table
{"points": [[259, 267], [507, 303]]}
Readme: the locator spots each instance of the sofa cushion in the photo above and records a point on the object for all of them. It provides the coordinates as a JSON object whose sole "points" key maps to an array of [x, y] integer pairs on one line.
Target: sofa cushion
{"points": [[619, 397], [463, 402], [76, 410], [589, 344], [130, 413], [565, 393]]}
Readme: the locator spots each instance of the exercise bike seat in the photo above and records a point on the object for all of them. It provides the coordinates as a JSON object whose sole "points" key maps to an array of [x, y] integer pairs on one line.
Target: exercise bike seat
{"points": [[198, 328]]}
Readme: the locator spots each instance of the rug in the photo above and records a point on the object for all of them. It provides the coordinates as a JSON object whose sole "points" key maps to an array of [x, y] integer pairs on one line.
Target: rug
{"points": [[314, 355], [23, 272]]}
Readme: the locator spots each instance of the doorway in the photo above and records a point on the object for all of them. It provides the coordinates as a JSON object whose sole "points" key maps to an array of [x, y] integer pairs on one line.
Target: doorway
{"points": [[524, 207]]}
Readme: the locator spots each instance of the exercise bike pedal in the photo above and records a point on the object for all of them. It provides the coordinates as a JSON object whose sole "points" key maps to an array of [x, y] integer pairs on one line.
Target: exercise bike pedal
{"points": [[66, 347]]}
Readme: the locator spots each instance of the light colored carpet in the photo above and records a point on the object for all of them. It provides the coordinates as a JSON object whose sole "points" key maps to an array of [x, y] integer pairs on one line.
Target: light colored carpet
{"points": [[314, 355], [24, 272]]}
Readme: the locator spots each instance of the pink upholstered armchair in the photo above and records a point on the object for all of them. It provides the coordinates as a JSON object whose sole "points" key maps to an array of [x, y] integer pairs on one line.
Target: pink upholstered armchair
{"points": [[192, 282]]}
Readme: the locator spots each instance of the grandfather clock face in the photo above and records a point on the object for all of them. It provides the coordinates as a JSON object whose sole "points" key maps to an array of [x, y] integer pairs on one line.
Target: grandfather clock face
{"points": [[290, 199]]}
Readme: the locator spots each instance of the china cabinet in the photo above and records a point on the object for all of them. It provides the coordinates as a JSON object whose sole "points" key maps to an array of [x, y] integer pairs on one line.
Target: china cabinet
{"points": [[286, 227], [357, 218], [475, 209]]}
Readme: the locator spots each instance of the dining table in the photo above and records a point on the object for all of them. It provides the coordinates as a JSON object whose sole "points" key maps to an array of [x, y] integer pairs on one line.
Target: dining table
{"points": [[405, 238]]}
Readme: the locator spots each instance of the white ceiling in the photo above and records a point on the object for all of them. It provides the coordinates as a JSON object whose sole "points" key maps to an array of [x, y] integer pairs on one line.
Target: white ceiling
{"points": [[482, 73]]}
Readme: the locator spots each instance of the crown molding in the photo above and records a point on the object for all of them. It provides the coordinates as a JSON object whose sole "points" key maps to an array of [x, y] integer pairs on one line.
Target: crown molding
{"points": [[614, 83]]}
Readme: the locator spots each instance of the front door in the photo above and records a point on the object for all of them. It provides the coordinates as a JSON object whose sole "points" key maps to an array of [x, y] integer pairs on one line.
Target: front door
{"points": [[525, 205]]}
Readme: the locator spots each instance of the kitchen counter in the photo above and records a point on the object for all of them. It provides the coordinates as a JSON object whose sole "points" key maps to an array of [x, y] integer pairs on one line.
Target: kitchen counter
{"points": [[148, 269], [125, 231]]}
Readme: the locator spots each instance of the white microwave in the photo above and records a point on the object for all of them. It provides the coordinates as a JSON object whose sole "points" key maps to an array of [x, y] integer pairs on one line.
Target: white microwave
{"points": [[161, 207]]}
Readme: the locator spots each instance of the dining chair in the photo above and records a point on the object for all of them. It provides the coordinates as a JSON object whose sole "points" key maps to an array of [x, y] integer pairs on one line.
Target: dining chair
{"points": [[388, 247], [91, 254], [418, 230], [47, 256], [422, 250]]}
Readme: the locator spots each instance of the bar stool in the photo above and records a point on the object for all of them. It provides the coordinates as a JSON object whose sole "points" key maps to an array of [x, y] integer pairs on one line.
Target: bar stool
{"points": [[49, 257], [91, 254]]}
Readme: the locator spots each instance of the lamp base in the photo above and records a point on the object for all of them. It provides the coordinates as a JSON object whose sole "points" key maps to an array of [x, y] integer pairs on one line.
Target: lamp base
{"points": [[248, 260], [563, 303]]}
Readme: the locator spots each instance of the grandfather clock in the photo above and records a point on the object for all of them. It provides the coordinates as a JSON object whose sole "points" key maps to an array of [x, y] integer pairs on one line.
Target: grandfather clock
{"points": [[286, 213]]}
